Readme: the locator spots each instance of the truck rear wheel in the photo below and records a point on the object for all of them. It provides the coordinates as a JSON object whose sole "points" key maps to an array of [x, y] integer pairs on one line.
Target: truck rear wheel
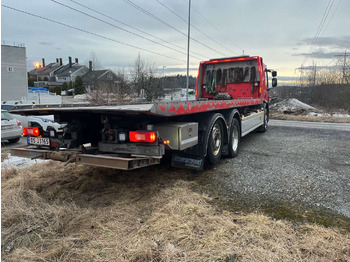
{"points": [[215, 143], [263, 127], [234, 138]]}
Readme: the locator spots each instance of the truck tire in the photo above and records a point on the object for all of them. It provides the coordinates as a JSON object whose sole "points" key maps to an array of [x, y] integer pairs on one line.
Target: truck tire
{"points": [[215, 143], [234, 138], [263, 127], [14, 140]]}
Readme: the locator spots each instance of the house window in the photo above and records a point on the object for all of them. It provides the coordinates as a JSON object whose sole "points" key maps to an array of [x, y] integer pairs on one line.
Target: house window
{"points": [[10, 69]]}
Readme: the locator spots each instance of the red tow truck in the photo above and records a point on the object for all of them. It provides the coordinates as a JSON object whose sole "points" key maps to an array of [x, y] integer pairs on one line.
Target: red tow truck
{"points": [[232, 100]]}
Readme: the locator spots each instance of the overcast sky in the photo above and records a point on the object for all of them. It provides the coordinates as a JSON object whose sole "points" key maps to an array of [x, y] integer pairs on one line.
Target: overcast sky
{"points": [[280, 31]]}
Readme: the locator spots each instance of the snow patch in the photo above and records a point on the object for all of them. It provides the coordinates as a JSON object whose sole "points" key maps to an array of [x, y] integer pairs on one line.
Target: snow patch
{"points": [[79, 97], [341, 115], [19, 162], [326, 114], [291, 104], [317, 114]]}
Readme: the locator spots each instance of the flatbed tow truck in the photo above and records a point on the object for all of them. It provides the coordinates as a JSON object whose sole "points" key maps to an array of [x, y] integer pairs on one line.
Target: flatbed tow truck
{"points": [[232, 100]]}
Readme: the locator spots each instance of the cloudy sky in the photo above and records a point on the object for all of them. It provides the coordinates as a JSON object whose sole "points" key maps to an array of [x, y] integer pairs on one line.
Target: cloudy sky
{"points": [[281, 31]]}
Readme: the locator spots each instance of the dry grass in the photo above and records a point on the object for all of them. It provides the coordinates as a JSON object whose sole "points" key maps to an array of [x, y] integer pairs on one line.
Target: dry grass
{"points": [[4, 155], [75, 213], [330, 119]]}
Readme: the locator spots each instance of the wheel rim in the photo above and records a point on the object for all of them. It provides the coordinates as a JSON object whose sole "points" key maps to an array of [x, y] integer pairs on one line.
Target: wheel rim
{"points": [[216, 139], [234, 138]]}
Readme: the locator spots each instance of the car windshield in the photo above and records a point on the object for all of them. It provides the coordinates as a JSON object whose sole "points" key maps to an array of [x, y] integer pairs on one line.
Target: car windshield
{"points": [[6, 116]]}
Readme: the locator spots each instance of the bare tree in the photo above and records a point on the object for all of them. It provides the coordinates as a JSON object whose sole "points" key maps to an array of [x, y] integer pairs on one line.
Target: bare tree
{"points": [[143, 78], [138, 75], [96, 62], [121, 87], [153, 88]]}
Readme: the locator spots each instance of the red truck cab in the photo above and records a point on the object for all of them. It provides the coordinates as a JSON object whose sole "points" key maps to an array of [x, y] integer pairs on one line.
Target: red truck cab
{"points": [[233, 78]]}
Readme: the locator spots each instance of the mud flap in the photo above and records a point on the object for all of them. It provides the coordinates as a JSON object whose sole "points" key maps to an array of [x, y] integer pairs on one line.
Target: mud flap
{"points": [[188, 162]]}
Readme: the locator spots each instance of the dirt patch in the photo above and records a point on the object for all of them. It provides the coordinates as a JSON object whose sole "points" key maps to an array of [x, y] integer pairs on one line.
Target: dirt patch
{"points": [[303, 117], [75, 213]]}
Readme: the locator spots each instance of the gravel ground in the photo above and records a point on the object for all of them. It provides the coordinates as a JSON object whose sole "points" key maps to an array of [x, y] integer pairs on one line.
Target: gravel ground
{"points": [[305, 165]]}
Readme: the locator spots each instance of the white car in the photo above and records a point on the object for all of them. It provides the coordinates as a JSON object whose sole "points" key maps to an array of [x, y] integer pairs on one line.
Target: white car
{"points": [[11, 128], [45, 122]]}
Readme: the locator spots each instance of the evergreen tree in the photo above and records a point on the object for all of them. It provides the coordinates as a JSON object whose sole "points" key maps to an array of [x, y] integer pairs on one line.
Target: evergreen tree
{"points": [[65, 86], [78, 86]]}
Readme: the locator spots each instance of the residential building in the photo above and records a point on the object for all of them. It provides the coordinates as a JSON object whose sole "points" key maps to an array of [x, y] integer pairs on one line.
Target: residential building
{"points": [[46, 72], [70, 71], [55, 74], [14, 83], [95, 79]]}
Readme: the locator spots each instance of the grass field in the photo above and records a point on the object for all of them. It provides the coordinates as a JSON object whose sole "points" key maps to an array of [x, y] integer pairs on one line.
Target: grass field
{"points": [[75, 213]]}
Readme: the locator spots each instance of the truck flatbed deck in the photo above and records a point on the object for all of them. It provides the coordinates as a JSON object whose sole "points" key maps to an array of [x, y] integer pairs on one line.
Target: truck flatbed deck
{"points": [[165, 109]]}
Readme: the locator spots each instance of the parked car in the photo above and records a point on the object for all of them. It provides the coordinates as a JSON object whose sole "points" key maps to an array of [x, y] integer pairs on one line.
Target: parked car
{"points": [[45, 122], [11, 128]]}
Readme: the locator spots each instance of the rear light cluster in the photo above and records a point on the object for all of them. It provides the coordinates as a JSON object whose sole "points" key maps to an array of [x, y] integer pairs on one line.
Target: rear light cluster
{"points": [[124, 136], [114, 135], [143, 136], [31, 131]]}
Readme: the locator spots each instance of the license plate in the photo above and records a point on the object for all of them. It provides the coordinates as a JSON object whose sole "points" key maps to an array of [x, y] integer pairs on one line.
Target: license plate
{"points": [[39, 141]]}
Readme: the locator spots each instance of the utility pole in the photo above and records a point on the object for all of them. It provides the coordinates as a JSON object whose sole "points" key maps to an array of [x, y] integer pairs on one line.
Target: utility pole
{"points": [[301, 70], [314, 72], [37, 66], [345, 78], [188, 49]]}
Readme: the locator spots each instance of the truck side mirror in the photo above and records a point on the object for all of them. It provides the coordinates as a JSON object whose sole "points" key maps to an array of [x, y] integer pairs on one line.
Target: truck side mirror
{"points": [[274, 82], [274, 73]]}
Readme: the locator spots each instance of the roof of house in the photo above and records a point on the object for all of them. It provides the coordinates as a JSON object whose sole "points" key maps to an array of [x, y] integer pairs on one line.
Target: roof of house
{"points": [[66, 70], [45, 70], [96, 74]]}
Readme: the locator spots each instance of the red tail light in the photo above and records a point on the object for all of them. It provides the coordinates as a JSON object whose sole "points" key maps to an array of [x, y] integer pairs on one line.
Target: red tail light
{"points": [[142, 136], [53, 144], [30, 131]]}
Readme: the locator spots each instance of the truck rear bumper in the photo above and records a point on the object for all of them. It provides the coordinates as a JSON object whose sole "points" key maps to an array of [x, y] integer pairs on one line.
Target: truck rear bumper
{"points": [[102, 160]]}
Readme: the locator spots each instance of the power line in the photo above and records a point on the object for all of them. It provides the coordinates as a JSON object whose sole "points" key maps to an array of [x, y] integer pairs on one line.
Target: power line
{"points": [[329, 21], [118, 27], [217, 29], [183, 19], [167, 24], [319, 29], [90, 33], [134, 28]]}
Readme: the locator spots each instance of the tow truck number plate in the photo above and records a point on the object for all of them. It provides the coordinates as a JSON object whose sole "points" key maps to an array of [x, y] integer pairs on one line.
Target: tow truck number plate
{"points": [[39, 141]]}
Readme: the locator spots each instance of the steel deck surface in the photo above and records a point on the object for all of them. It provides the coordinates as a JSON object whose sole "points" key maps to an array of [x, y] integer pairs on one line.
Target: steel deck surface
{"points": [[174, 108]]}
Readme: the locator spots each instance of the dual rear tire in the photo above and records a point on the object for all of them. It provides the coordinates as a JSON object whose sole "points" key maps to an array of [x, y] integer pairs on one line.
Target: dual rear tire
{"points": [[216, 141]]}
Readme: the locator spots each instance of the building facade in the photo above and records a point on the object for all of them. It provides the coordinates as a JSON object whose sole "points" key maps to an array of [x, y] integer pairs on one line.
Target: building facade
{"points": [[14, 83]]}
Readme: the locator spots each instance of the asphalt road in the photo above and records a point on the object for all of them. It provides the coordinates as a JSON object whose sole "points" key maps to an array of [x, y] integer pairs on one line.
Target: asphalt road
{"points": [[294, 162]]}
